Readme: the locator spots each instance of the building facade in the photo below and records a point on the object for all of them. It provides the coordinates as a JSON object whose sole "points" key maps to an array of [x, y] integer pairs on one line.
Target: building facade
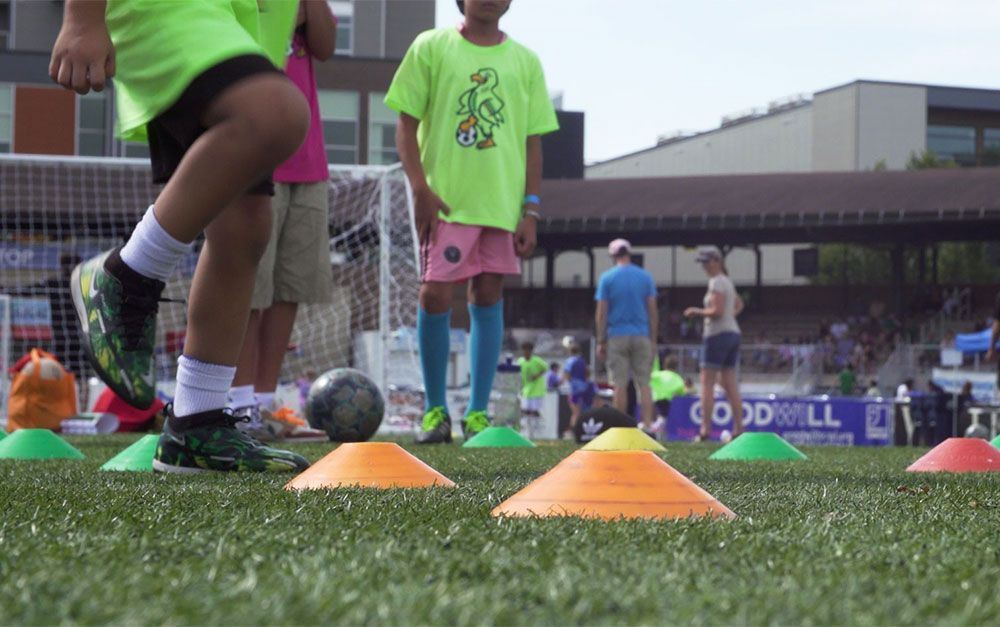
{"points": [[39, 117], [859, 126]]}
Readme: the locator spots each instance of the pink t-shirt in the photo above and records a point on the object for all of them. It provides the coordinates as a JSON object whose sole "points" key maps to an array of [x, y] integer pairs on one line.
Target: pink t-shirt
{"points": [[309, 163]]}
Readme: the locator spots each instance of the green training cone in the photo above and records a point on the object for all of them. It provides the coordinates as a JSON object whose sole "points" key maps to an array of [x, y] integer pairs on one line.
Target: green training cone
{"points": [[758, 445], [623, 439], [37, 444], [138, 457], [996, 441], [498, 437]]}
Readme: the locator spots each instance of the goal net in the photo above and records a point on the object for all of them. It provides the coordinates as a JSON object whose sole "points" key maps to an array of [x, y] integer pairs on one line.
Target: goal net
{"points": [[55, 211]]}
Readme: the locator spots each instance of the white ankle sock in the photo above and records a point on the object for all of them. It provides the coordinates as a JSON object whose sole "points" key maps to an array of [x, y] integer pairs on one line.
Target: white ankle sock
{"points": [[241, 396], [151, 251], [265, 399], [200, 386]]}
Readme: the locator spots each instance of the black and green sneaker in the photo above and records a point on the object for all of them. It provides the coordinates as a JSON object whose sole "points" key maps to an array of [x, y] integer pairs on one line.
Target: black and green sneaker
{"points": [[473, 423], [435, 428], [210, 441], [117, 309]]}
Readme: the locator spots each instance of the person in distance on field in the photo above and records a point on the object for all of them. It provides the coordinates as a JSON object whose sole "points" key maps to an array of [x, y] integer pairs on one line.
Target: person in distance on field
{"points": [[721, 344]]}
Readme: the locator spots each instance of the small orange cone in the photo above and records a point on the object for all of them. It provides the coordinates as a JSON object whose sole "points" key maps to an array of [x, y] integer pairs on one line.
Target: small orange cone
{"points": [[613, 484], [369, 465]]}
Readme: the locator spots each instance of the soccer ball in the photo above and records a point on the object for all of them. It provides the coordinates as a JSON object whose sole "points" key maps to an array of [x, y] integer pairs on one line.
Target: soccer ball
{"points": [[346, 404], [466, 138], [977, 431]]}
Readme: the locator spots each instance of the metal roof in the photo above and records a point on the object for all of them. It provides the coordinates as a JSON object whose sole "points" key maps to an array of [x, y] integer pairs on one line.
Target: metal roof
{"points": [[954, 204]]}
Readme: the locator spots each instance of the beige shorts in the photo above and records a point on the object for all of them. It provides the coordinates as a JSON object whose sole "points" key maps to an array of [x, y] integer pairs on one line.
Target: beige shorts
{"points": [[630, 353], [296, 266]]}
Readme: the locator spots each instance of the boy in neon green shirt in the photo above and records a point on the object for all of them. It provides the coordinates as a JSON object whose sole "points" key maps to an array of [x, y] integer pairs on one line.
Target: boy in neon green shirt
{"points": [[198, 79], [473, 106], [533, 369]]}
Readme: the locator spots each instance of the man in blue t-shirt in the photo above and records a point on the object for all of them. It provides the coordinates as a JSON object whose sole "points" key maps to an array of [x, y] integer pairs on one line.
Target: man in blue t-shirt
{"points": [[627, 320]]}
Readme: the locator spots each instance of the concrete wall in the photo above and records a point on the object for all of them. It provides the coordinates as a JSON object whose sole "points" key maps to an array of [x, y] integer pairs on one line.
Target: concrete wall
{"points": [[892, 124], [775, 143], [34, 25], [835, 129], [405, 19]]}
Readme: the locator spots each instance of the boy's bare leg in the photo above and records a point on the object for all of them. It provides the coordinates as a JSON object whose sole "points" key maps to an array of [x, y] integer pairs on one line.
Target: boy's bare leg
{"points": [[252, 127], [276, 323], [246, 365], [219, 304]]}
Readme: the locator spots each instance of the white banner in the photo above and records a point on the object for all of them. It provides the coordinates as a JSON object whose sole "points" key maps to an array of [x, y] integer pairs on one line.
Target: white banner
{"points": [[984, 384]]}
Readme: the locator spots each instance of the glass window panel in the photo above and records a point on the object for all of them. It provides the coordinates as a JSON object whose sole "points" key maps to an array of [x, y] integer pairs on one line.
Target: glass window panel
{"points": [[341, 155], [389, 137], [954, 142], [377, 111], [340, 133], [338, 104], [5, 128], [344, 35], [4, 147], [991, 136], [383, 157], [91, 144], [91, 113], [5, 99]]}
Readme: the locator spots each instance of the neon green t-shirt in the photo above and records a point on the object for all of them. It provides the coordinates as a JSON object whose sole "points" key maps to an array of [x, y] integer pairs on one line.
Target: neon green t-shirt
{"points": [[666, 384], [163, 45], [529, 368], [477, 105]]}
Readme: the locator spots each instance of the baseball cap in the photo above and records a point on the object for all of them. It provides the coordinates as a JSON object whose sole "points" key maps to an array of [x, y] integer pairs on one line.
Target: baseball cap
{"points": [[708, 253], [619, 246]]}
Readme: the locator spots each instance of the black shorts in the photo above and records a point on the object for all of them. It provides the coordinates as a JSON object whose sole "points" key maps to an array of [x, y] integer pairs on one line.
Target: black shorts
{"points": [[173, 132]]}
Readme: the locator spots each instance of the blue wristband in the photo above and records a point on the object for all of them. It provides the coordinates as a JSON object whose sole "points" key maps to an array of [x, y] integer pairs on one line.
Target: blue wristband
{"points": [[532, 198]]}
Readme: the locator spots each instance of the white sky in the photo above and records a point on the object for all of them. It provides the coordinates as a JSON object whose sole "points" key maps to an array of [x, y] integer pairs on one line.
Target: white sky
{"points": [[643, 68]]}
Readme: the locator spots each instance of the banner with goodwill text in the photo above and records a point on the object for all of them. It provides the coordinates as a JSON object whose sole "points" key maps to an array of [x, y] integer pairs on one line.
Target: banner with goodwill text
{"points": [[808, 420]]}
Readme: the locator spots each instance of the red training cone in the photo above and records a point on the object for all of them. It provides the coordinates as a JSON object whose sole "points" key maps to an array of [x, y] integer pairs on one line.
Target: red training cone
{"points": [[959, 455]]}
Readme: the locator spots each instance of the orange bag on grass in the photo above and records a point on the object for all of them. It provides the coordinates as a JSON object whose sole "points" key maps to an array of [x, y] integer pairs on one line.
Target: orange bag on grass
{"points": [[39, 400]]}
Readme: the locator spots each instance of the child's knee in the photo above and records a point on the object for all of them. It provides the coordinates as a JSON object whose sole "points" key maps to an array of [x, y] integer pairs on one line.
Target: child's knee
{"points": [[269, 118]]}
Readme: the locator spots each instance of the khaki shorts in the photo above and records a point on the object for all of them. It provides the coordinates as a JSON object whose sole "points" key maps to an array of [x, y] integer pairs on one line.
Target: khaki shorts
{"points": [[630, 353], [296, 265]]}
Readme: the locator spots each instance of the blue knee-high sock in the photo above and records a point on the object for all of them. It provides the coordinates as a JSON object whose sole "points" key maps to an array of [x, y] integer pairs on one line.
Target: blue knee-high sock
{"points": [[485, 342], [434, 342]]}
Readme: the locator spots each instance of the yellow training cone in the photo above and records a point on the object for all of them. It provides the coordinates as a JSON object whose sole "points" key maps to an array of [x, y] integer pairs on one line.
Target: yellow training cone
{"points": [[610, 485], [369, 465], [623, 439]]}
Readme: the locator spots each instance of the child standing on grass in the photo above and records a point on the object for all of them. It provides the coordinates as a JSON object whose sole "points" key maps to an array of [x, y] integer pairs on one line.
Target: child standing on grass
{"points": [[199, 80], [296, 266], [473, 106], [533, 370]]}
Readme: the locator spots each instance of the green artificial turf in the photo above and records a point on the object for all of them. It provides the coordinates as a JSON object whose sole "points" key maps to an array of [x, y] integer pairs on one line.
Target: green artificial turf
{"points": [[846, 537]]}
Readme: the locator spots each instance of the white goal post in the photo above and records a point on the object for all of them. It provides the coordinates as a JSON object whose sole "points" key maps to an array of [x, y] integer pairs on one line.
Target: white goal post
{"points": [[51, 207]]}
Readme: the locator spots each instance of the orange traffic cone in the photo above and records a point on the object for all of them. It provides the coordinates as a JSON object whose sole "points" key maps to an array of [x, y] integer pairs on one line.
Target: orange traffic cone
{"points": [[613, 484], [369, 465]]}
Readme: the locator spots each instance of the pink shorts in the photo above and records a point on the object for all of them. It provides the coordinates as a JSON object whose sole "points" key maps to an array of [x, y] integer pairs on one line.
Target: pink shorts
{"points": [[461, 251]]}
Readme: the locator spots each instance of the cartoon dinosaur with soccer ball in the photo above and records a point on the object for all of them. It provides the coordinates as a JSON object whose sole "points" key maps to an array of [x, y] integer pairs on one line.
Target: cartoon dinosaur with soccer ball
{"points": [[482, 105]]}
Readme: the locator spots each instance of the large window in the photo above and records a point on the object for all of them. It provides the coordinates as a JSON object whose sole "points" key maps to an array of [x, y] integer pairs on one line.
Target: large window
{"points": [[381, 131], [6, 117], [92, 124], [953, 142], [991, 146], [345, 25], [4, 25], [339, 112]]}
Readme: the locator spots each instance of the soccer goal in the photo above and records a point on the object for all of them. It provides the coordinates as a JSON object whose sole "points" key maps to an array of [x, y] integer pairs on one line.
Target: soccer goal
{"points": [[57, 208]]}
